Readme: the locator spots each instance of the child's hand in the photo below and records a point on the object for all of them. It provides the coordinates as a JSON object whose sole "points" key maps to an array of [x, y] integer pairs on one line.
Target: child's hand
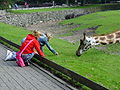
{"points": [[35, 52], [56, 53]]}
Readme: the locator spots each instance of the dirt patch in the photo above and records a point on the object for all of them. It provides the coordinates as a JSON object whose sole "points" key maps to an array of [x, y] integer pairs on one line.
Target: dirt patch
{"points": [[77, 35], [52, 27], [56, 29]]}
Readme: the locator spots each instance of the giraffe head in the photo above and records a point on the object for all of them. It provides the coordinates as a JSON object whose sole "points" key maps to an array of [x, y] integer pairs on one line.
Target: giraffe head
{"points": [[85, 44], [88, 42]]}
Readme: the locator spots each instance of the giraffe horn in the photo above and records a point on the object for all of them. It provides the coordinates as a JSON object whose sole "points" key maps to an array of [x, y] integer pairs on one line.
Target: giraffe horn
{"points": [[84, 34]]}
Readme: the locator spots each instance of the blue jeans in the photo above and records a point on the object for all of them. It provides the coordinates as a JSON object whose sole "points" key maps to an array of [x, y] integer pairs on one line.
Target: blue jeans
{"points": [[27, 57]]}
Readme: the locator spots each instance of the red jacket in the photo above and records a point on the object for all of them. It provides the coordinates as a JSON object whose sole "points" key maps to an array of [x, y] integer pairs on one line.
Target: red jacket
{"points": [[30, 48]]}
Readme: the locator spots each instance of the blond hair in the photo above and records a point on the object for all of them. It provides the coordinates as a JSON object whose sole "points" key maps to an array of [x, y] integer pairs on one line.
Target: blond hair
{"points": [[49, 35], [36, 33]]}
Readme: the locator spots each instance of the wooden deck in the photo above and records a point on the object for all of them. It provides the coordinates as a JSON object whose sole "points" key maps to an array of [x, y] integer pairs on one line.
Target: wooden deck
{"points": [[13, 77]]}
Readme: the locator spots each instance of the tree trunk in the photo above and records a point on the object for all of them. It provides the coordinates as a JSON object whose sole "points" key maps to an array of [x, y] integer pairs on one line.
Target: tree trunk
{"points": [[67, 2], [82, 2]]}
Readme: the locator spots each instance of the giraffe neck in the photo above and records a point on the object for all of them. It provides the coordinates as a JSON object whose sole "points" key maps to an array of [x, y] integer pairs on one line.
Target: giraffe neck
{"points": [[108, 39]]}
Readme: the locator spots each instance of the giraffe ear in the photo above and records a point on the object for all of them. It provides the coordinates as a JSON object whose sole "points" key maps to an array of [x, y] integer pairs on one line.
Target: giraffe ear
{"points": [[81, 40]]}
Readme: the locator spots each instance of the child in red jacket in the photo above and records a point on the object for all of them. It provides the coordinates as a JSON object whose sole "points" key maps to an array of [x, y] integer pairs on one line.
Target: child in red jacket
{"points": [[28, 53]]}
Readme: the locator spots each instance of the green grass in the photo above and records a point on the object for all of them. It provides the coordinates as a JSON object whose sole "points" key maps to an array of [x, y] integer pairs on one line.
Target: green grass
{"points": [[13, 33], [96, 65], [109, 20], [54, 9], [112, 48]]}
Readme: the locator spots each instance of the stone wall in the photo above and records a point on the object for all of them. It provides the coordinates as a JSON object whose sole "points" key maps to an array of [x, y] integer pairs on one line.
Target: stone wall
{"points": [[2, 12], [34, 18]]}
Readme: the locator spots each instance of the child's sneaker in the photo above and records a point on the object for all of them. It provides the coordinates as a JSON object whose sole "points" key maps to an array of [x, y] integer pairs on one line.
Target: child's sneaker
{"points": [[27, 63], [8, 56]]}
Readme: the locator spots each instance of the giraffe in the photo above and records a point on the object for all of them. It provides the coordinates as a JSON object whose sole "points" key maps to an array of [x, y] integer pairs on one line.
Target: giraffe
{"points": [[89, 42]]}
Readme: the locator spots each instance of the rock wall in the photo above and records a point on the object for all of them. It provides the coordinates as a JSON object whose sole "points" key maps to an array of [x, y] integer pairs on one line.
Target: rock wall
{"points": [[34, 18], [2, 12]]}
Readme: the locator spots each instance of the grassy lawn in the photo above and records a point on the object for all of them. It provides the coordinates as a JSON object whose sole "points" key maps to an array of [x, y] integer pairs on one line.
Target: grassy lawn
{"points": [[96, 65], [109, 20], [12, 33], [55, 9]]}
